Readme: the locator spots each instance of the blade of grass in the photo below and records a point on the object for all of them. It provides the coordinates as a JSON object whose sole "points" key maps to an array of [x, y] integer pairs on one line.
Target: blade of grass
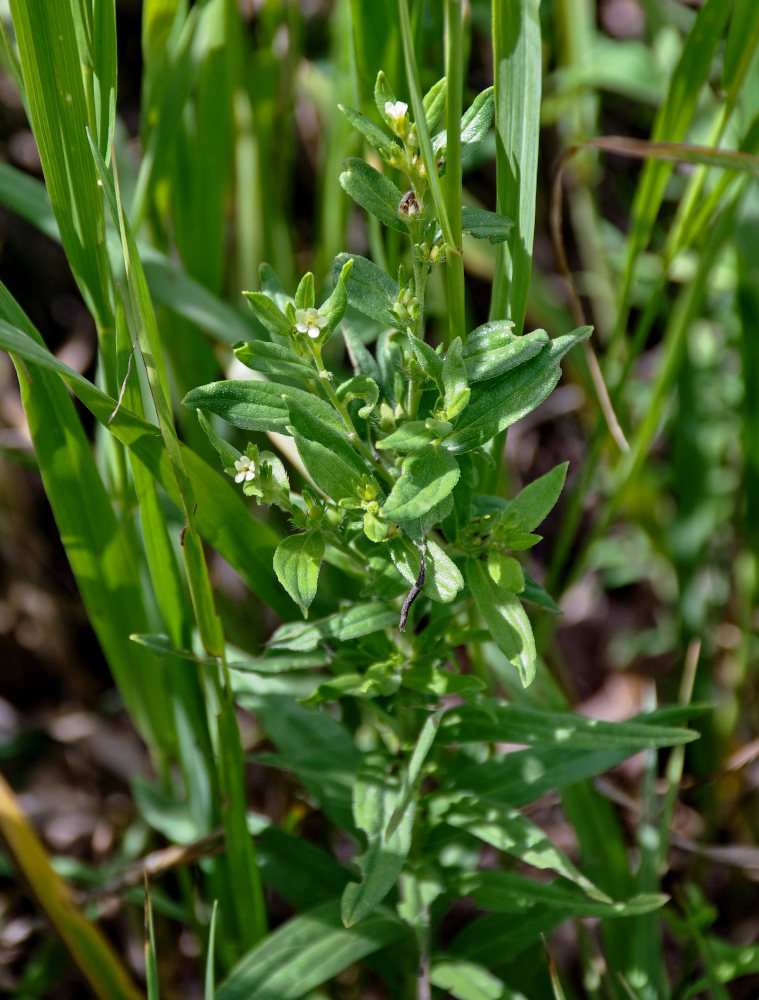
{"points": [[672, 122], [455, 305], [50, 62], [151, 959], [517, 63], [454, 71], [93, 955]]}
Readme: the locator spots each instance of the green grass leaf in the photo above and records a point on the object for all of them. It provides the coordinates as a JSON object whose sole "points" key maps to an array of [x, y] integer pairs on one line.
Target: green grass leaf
{"points": [[517, 61]]}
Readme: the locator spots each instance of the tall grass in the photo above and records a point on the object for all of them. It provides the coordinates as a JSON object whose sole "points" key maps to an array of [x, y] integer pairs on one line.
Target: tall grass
{"points": [[396, 740]]}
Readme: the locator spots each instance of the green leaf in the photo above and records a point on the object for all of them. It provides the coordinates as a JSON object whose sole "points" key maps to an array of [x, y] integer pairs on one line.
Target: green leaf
{"points": [[492, 349], [428, 478], [428, 359], [495, 407], [555, 729], [383, 93], [374, 192], [269, 314], [508, 830], [434, 103], [467, 981], [223, 518], [454, 379], [370, 289], [356, 621], [360, 387], [258, 406], [505, 618], [475, 125], [485, 225], [505, 572], [460, 515], [413, 774], [304, 295], [375, 796], [305, 952], [534, 593], [443, 579], [334, 307], [388, 148], [534, 503], [509, 892], [414, 435], [327, 454], [518, 77], [275, 359], [297, 561]]}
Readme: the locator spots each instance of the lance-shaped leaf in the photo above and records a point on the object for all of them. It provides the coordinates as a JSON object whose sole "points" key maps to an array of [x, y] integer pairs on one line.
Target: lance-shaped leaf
{"points": [[304, 294], [475, 125], [534, 503], [453, 374], [428, 478], [334, 307], [356, 621], [275, 359], [434, 103], [493, 349], [510, 892], [388, 148], [518, 724], [370, 289], [327, 454], [498, 405], [485, 225], [374, 192], [505, 618], [268, 314], [296, 562], [508, 830], [375, 797], [305, 952], [414, 435], [258, 406]]}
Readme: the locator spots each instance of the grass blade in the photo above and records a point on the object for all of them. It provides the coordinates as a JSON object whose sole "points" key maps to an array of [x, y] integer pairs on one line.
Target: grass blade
{"points": [[517, 62], [90, 950]]}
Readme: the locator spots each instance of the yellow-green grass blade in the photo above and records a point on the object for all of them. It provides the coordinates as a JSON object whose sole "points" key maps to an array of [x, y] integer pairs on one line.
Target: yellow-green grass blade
{"points": [[93, 955], [50, 62], [672, 123], [100, 556], [517, 67], [201, 172]]}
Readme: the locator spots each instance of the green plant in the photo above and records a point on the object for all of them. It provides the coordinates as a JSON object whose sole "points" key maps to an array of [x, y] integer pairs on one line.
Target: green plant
{"points": [[385, 523]]}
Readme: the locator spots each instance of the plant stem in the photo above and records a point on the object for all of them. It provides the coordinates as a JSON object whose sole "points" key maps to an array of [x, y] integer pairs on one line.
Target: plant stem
{"points": [[454, 70]]}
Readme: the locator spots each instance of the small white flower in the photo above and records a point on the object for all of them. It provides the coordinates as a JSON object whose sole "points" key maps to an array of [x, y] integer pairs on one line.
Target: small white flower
{"points": [[245, 470], [309, 321], [397, 112]]}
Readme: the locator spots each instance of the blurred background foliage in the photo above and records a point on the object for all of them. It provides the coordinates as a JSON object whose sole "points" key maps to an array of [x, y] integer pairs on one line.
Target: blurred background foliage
{"points": [[229, 144]]}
